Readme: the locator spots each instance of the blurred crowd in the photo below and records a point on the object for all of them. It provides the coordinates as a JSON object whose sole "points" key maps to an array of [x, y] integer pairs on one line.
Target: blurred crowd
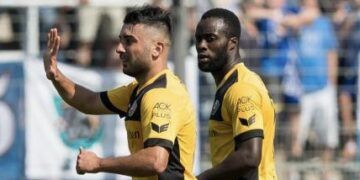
{"points": [[307, 52]]}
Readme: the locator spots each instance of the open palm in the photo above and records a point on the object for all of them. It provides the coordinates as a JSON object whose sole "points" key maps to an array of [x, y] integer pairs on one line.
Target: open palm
{"points": [[50, 62]]}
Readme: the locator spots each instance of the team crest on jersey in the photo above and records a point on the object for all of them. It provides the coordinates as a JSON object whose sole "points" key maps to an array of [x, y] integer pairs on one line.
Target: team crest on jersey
{"points": [[247, 122], [215, 107], [132, 109]]}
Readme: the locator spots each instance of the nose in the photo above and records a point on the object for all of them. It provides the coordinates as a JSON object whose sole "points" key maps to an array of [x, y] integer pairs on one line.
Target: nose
{"points": [[120, 48], [201, 45]]}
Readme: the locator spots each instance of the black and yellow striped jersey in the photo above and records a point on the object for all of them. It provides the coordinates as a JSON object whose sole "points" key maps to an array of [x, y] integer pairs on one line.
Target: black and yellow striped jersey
{"points": [[242, 110], [159, 113]]}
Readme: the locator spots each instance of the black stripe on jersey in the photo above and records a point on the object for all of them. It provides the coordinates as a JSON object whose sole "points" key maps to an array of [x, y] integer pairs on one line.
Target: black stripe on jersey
{"points": [[133, 113], [219, 96], [107, 103], [247, 135], [159, 142], [132, 108], [174, 170]]}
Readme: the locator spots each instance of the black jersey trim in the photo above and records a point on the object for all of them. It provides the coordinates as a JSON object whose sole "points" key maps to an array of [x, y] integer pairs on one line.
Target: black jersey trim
{"points": [[107, 103], [159, 142], [247, 135], [135, 99], [174, 170], [219, 96]]}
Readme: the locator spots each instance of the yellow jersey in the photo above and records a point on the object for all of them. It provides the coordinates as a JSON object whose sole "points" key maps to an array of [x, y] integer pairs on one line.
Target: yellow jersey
{"points": [[159, 113], [242, 110]]}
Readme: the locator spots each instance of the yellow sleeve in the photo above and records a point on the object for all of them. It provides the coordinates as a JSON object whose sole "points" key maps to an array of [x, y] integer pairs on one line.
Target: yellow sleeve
{"points": [[117, 100], [160, 118], [244, 105]]}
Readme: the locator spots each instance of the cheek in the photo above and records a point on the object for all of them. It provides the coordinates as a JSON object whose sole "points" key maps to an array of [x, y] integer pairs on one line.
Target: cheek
{"points": [[218, 46], [146, 54], [135, 53], [213, 50], [141, 57], [218, 51]]}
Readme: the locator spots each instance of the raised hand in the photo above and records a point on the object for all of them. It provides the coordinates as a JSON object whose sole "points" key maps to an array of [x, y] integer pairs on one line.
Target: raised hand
{"points": [[50, 62]]}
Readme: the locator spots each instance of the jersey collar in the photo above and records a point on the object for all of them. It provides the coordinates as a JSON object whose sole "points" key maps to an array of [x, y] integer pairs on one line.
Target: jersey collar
{"points": [[151, 80], [228, 74]]}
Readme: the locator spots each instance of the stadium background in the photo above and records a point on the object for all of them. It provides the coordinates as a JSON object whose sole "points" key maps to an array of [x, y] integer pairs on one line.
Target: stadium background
{"points": [[40, 134]]}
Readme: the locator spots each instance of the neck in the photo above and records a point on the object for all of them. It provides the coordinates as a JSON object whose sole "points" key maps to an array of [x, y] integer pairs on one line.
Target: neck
{"points": [[219, 75], [153, 71]]}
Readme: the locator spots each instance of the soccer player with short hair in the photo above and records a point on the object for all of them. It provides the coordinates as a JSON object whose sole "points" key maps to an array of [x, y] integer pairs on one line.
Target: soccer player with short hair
{"points": [[159, 116], [242, 121]]}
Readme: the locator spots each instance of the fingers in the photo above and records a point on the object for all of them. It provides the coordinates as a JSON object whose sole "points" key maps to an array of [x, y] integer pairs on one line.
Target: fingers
{"points": [[51, 38], [78, 169], [53, 41], [56, 45], [48, 39]]}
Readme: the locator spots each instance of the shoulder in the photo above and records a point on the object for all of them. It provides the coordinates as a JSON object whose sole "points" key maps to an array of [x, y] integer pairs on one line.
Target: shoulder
{"points": [[167, 88], [160, 94], [122, 89], [162, 99], [240, 89]]}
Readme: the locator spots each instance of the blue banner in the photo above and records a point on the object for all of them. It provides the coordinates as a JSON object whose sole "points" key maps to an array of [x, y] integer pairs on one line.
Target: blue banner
{"points": [[12, 127]]}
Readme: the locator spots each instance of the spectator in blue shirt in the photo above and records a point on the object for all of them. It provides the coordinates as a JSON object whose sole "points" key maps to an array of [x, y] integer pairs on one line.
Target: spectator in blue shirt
{"points": [[318, 74]]}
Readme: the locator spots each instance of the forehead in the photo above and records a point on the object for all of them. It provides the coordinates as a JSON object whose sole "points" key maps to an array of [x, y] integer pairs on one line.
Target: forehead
{"points": [[210, 25], [132, 30]]}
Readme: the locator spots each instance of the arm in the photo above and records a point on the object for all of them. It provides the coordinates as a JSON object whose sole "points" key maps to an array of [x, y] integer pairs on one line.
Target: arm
{"points": [[297, 21], [75, 95], [255, 12], [249, 153], [146, 162], [333, 66]]}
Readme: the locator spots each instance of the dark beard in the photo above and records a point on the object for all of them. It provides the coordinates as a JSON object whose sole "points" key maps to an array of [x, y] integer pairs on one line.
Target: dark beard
{"points": [[214, 65]]}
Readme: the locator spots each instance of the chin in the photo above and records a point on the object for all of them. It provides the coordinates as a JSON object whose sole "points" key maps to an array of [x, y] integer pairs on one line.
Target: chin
{"points": [[204, 67], [127, 72], [205, 70]]}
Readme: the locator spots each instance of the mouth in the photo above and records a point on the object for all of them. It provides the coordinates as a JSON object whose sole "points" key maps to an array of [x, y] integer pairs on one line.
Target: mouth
{"points": [[203, 58], [124, 61], [123, 58]]}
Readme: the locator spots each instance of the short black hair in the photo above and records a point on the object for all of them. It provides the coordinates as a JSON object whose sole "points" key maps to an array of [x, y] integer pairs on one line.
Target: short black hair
{"points": [[232, 22], [150, 15]]}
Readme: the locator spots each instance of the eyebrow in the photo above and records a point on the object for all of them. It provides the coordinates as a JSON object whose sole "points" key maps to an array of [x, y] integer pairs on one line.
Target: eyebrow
{"points": [[205, 34], [126, 36]]}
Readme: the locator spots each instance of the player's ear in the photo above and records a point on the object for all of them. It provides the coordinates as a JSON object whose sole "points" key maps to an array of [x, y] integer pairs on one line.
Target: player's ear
{"points": [[233, 43], [157, 49]]}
